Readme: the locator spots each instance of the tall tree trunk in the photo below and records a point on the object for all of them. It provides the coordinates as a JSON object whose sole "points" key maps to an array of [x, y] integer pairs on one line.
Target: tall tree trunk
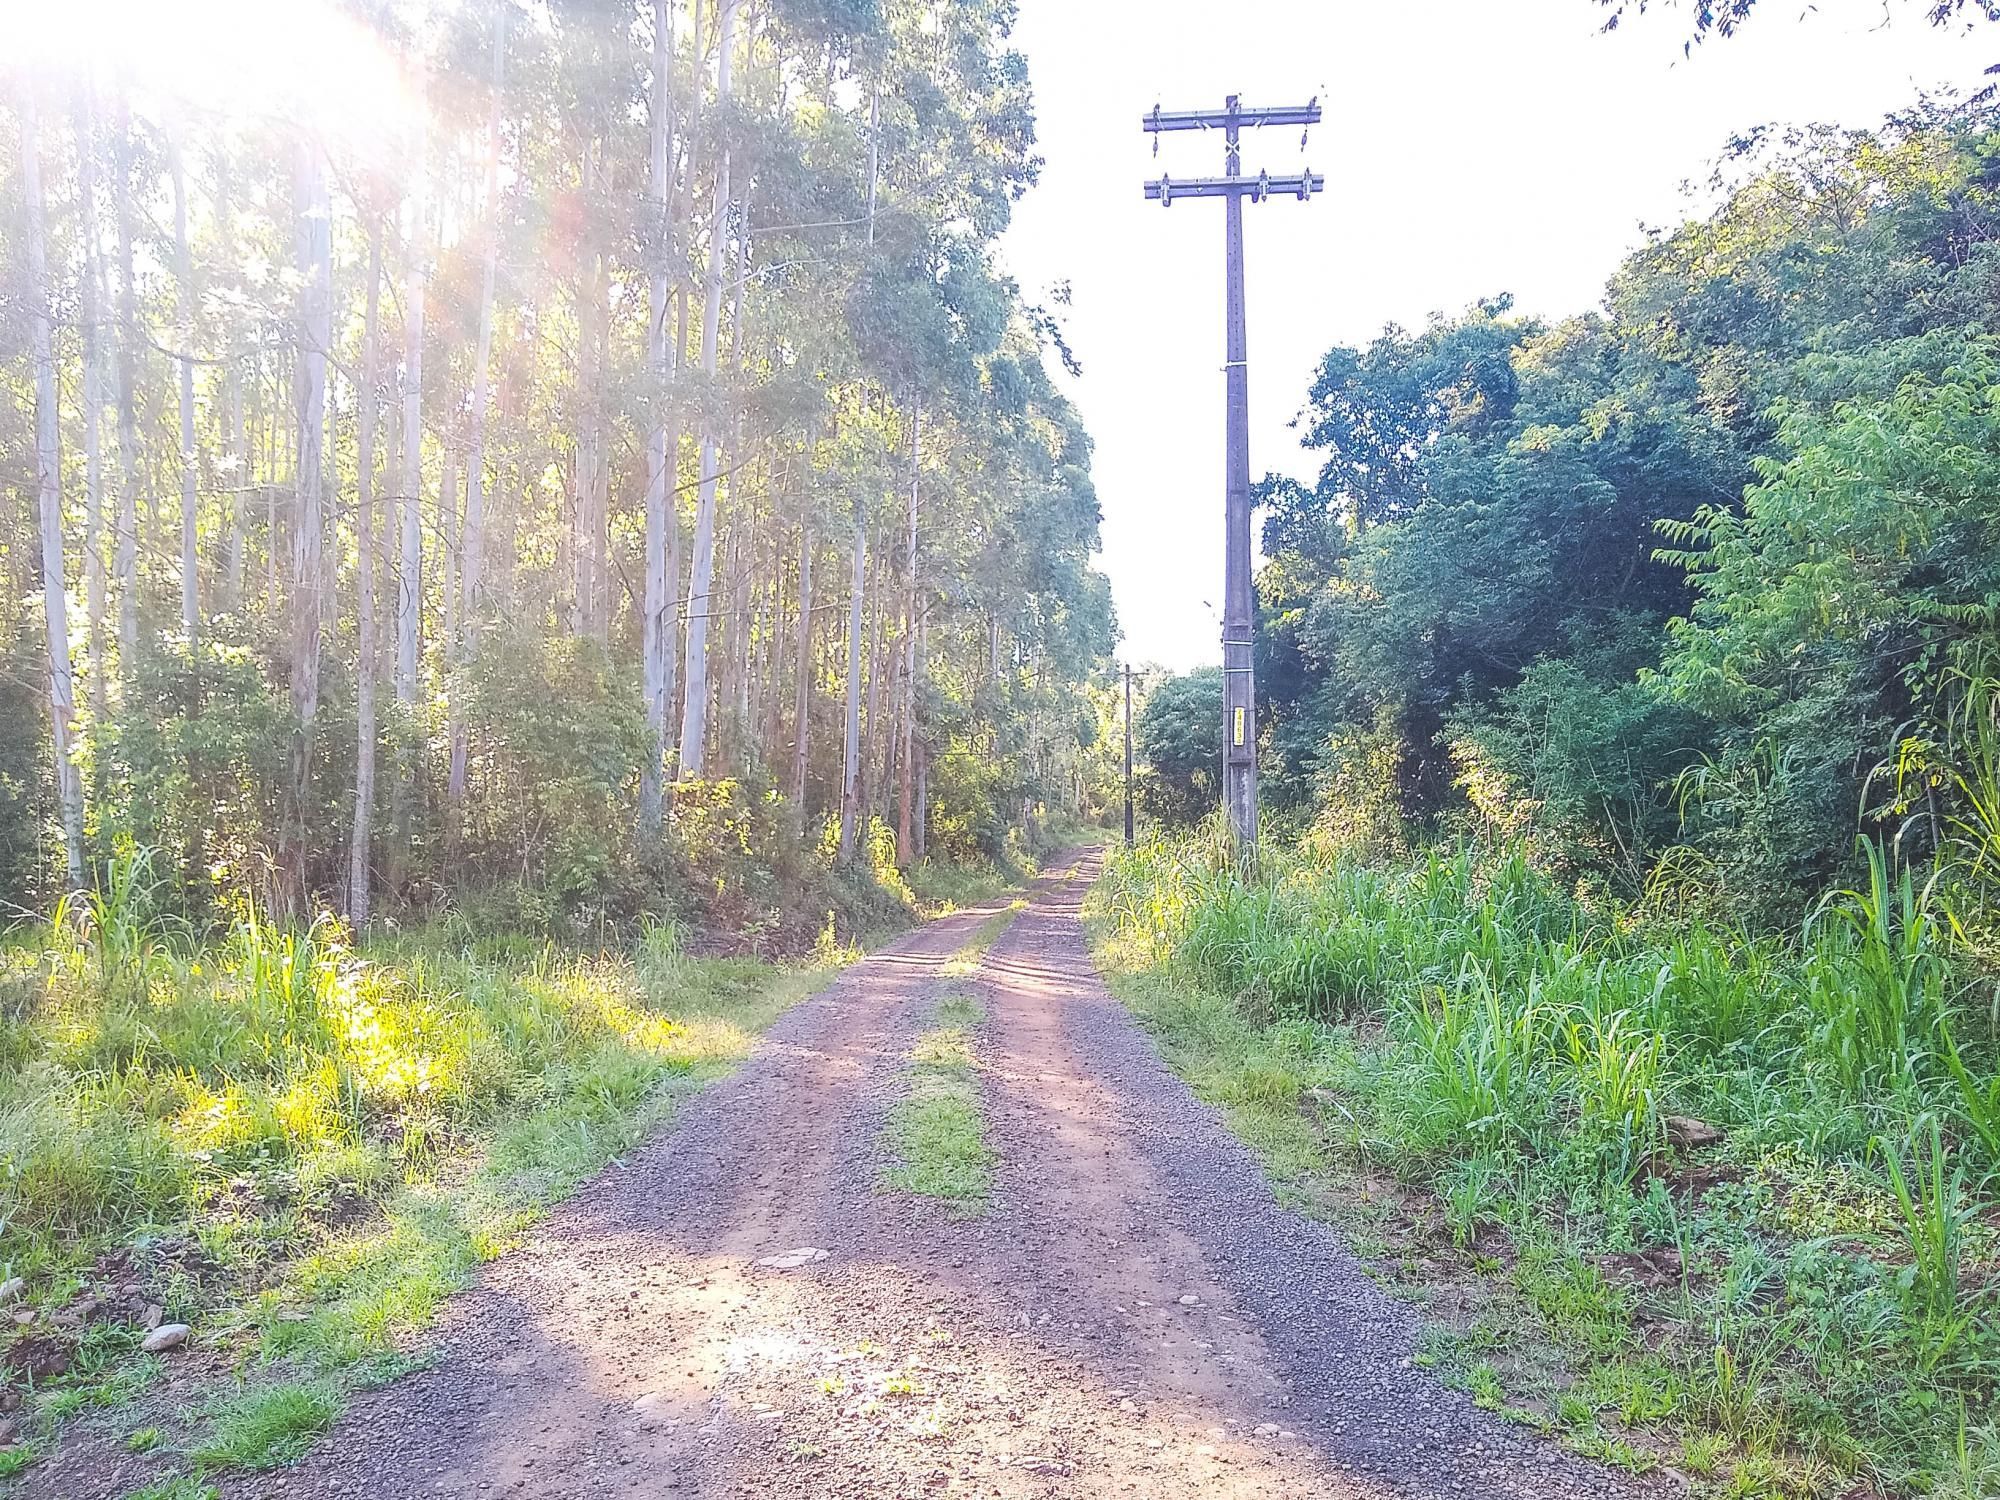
{"points": [[234, 458], [410, 520], [450, 537], [48, 488], [662, 522], [802, 683], [923, 753], [588, 558], [92, 317], [272, 595], [190, 459], [850, 772], [364, 600], [315, 338], [873, 755], [125, 566], [473, 550], [905, 848], [694, 711]]}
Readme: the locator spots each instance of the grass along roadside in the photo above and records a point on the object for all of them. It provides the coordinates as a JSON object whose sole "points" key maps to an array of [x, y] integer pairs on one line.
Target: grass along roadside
{"points": [[299, 1149], [936, 1132], [1506, 1104]]}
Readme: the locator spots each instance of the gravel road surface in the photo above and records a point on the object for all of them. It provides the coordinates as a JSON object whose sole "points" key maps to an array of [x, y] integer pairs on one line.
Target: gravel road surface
{"points": [[740, 1309]]}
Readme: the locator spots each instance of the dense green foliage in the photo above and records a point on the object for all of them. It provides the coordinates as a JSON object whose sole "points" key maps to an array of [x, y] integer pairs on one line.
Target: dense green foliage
{"points": [[1696, 587], [1624, 947], [1800, 1305]]}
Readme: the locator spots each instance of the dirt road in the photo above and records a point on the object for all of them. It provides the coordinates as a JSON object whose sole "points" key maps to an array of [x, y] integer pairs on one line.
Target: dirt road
{"points": [[1134, 1314]]}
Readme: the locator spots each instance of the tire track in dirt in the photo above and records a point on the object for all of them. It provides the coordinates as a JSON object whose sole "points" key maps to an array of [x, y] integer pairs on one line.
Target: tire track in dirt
{"points": [[639, 1344]]}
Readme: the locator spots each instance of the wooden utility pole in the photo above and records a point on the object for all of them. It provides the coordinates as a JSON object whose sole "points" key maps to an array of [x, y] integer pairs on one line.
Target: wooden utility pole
{"points": [[1239, 711]]}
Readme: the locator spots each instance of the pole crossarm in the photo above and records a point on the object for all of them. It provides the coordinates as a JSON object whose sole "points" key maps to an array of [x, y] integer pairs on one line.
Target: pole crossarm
{"points": [[1300, 185], [1161, 120]]}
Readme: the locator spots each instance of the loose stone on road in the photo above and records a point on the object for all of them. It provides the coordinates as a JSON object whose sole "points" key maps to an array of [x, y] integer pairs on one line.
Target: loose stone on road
{"points": [[741, 1310]]}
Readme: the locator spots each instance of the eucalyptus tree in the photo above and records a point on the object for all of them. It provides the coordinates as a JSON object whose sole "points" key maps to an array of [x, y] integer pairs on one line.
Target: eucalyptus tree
{"points": [[48, 493]]}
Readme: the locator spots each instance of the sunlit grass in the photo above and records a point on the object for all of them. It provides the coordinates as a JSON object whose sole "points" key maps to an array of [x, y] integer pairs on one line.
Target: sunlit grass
{"points": [[936, 1132], [326, 1141], [263, 1428]]}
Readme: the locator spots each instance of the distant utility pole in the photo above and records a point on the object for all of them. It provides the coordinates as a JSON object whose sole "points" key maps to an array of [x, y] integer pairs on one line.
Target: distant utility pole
{"points": [[1128, 755], [1239, 697]]}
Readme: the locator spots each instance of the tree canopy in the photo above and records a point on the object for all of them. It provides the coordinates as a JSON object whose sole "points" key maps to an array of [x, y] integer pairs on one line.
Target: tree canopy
{"points": [[639, 367]]}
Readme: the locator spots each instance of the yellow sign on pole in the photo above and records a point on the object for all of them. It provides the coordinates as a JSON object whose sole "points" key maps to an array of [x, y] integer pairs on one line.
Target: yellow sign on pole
{"points": [[1239, 726]]}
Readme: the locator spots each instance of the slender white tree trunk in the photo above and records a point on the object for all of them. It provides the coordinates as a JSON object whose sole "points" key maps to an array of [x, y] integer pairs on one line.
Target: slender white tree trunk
{"points": [[315, 338], [850, 775], [409, 512], [802, 683], [587, 581], [125, 565], [744, 531], [364, 601], [48, 489], [701, 604], [874, 751], [184, 358], [473, 551], [662, 528], [906, 850], [92, 316], [235, 460]]}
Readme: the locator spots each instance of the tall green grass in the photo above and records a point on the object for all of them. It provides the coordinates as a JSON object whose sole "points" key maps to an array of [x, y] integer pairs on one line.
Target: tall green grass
{"points": [[1522, 1056], [302, 1146]]}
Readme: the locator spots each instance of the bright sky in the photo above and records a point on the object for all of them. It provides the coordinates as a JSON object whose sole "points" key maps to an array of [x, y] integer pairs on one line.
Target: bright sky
{"points": [[1470, 147]]}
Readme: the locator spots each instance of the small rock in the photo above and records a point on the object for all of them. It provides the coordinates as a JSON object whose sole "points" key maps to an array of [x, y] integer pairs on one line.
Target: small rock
{"points": [[1686, 1133], [153, 1316], [12, 1289], [24, 1316], [1189, 1300], [166, 1336], [791, 1260]]}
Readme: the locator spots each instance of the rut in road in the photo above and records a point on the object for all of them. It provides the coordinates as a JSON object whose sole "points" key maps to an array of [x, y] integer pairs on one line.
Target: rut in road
{"points": [[1134, 1315]]}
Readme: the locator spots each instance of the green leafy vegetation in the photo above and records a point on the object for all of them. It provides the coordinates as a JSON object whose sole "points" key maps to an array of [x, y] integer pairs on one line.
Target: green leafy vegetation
{"points": [[1621, 955], [302, 1146], [261, 1429], [1729, 1180], [936, 1132]]}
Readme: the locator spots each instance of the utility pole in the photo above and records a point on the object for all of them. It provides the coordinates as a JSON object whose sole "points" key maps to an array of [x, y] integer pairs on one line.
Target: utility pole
{"points": [[1239, 698], [1128, 755]]}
